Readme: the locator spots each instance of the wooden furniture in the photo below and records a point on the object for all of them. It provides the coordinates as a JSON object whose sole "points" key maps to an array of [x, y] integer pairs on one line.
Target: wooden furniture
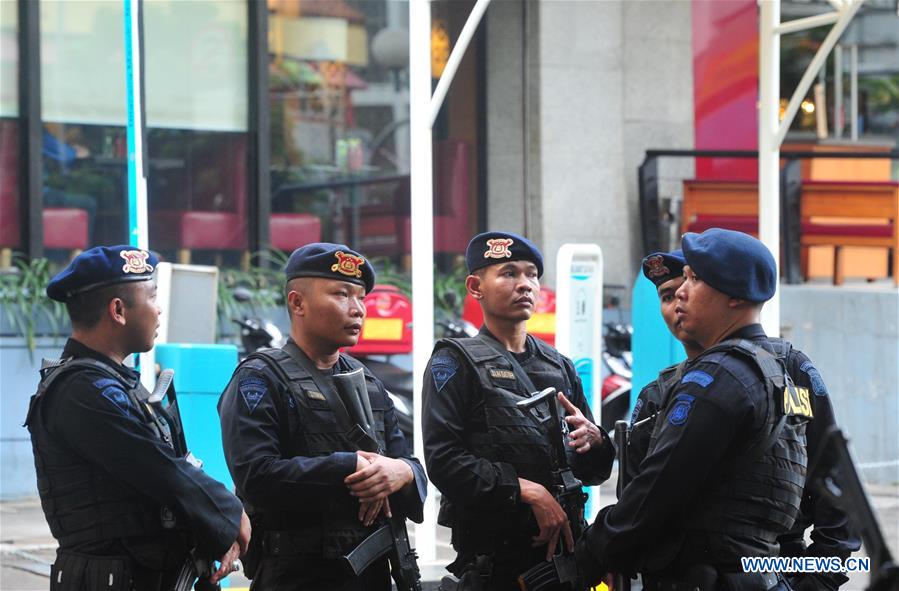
{"points": [[844, 213], [832, 213]]}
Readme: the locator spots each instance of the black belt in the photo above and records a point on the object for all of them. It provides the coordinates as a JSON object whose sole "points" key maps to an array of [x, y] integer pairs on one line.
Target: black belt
{"points": [[292, 542]]}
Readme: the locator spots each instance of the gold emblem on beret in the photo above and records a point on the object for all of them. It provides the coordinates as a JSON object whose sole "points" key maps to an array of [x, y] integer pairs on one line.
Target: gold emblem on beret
{"points": [[136, 261], [498, 248], [655, 266], [348, 264]]}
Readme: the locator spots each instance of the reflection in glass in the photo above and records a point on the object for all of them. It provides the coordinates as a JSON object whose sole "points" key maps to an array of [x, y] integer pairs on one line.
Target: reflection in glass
{"points": [[196, 88], [83, 140], [9, 110]]}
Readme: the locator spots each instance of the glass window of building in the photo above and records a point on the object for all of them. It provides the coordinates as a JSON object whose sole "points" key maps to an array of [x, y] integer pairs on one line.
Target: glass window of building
{"points": [[339, 104], [84, 113], [868, 52], [9, 110], [339, 101], [196, 110]]}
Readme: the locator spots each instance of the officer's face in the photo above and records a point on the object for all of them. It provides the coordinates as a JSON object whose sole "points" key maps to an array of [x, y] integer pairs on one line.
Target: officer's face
{"points": [[331, 311], [508, 290], [142, 317], [668, 303], [700, 310]]}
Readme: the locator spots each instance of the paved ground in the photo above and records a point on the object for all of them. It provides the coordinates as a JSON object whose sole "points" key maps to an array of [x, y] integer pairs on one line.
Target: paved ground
{"points": [[27, 549]]}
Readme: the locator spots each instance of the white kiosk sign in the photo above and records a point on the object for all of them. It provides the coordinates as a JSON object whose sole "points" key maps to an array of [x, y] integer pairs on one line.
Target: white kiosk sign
{"points": [[579, 323]]}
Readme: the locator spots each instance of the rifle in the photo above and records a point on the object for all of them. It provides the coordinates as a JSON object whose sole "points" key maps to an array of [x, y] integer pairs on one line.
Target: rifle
{"points": [[622, 582], [165, 402], [391, 538], [566, 489], [844, 488]]}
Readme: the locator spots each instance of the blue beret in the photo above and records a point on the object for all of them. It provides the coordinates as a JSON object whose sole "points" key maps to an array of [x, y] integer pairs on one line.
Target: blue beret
{"points": [[660, 267], [101, 266], [732, 262], [491, 248], [331, 261]]}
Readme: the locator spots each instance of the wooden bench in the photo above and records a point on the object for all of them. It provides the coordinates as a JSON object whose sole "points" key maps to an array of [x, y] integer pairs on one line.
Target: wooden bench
{"points": [[832, 213]]}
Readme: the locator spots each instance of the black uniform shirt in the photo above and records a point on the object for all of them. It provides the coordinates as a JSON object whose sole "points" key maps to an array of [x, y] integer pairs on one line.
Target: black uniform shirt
{"points": [[96, 419], [831, 535], [457, 405], [720, 405], [276, 481]]}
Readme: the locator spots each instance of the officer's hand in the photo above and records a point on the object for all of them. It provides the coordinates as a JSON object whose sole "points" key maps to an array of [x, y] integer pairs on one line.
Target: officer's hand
{"points": [[244, 534], [369, 510], [551, 519], [382, 477], [227, 561], [584, 435]]}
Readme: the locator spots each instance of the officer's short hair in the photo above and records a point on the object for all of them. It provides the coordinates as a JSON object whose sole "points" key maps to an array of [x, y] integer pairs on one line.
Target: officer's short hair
{"points": [[86, 309]]}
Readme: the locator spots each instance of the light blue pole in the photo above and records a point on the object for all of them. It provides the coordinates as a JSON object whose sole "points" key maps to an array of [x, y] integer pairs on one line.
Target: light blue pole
{"points": [[137, 182]]}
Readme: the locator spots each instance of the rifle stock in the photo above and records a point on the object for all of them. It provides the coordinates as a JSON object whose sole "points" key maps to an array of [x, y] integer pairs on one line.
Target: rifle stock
{"points": [[622, 582], [390, 539]]}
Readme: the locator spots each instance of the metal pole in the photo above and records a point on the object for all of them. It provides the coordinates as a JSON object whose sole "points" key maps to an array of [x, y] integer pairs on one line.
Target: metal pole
{"points": [[422, 221], [838, 118], [801, 24], [853, 92], [137, 181], [769, 148], [816, 64], [452, 64]]}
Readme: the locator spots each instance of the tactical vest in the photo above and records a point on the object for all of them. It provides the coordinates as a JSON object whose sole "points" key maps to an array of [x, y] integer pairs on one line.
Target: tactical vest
{"points": [[333, 532], [757, 496], [81, 501], [511, 435]]}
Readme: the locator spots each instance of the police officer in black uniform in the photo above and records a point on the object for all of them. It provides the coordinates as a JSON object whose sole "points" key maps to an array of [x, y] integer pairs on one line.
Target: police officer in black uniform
{"points": [[831, 535], [490, 460], [665, 270], [311, 495], [125, 508], [726, 465]]}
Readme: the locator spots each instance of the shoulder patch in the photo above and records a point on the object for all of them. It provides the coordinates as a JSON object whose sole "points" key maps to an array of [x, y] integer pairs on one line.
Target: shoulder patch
{"points": [[680, 410], [113, 392], [637, 408], [698, 377], [796, 402], [815, 378], [442, 369], [252, 390]]}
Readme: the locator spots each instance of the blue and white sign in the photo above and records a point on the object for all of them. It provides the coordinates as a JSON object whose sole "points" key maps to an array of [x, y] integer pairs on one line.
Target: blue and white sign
{"points": [[579, 325]]}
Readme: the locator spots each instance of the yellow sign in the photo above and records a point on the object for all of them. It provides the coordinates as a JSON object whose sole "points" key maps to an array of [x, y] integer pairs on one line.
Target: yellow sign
{"points": [[383, 329], [542, 323], [440, 48]]}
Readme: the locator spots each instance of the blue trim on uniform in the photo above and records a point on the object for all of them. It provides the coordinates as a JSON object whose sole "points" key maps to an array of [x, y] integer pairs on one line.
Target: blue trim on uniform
{"points": [[442, 369], [252, 390], [814, 376], [681, 409], [698, 377], [116, 396]]}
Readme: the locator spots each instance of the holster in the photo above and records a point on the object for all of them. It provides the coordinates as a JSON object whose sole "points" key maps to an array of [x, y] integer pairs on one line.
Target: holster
{"points": [[73, 572], [473, 576]]}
